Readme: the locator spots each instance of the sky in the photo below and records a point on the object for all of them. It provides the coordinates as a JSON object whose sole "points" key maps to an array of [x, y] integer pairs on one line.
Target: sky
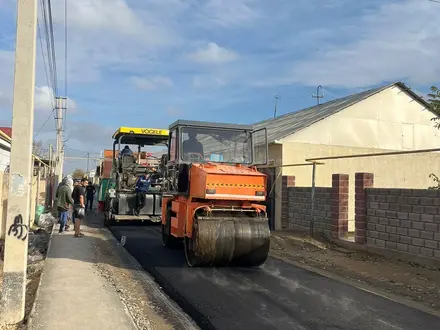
{"points": [[147, 63]]}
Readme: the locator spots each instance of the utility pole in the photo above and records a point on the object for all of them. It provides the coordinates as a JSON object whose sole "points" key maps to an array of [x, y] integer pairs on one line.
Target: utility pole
{"points": [[59, 159], [21, 162], [37, 202], [50, 159], [50, 193], [276, 98], [317, 96], [88, 160]]}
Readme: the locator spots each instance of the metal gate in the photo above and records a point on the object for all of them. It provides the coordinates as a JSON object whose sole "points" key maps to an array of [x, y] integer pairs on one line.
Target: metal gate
{"points": [[270, 197]]}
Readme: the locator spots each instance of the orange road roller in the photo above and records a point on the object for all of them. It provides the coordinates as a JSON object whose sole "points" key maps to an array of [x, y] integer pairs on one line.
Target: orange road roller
{"points": [[213, 194]]}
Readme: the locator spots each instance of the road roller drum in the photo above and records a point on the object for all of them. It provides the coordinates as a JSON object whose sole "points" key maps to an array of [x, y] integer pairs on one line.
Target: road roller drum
{"points": [[228, 240]]}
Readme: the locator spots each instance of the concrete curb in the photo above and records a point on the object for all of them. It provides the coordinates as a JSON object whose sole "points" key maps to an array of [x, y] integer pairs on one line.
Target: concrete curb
{"points": [[32, 312], [156, 292], [361, 286]]}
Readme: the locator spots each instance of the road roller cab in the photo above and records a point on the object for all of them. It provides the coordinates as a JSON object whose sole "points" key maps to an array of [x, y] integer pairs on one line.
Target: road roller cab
{"points": [[214, 195]]}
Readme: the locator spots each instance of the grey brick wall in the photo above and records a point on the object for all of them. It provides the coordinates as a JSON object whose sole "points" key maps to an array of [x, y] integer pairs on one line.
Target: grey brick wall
{"points": [[300, 209], [406, 220]]}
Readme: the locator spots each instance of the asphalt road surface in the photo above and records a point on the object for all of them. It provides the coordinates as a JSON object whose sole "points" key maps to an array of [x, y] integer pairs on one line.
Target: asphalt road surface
{"points": [[277, 295]]}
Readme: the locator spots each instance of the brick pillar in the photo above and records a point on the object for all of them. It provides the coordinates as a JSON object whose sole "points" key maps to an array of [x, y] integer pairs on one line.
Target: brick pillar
{"points": [[339, 205], [287, 181], [362, 181]]}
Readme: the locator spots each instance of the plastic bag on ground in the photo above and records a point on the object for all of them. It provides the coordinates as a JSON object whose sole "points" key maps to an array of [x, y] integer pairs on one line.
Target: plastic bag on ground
{"points": [[47, 220], [39, 211]]}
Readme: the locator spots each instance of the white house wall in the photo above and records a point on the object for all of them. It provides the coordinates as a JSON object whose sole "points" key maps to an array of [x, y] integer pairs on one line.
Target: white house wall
{"points": [[390, 119], [5, 153]]}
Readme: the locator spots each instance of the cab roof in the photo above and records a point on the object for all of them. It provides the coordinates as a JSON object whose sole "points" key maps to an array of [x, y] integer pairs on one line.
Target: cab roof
{"points": [[141, 136], [204, 124]]}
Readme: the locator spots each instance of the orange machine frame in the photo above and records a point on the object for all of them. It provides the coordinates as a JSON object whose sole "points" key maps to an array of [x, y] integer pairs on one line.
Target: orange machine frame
{"points": [[213, 186]]}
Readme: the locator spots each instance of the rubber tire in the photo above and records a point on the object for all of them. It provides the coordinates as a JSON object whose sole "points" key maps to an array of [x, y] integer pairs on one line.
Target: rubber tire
{"points": [[108, 216], [168, 240]]}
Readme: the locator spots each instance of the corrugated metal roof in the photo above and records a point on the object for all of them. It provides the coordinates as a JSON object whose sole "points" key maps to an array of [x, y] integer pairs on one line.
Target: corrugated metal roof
{"points": [[6, 133], [285, 125]]}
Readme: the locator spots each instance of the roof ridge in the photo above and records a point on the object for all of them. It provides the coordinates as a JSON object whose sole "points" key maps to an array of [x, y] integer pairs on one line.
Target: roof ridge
{"points": [[326, 103], [295, 121]]}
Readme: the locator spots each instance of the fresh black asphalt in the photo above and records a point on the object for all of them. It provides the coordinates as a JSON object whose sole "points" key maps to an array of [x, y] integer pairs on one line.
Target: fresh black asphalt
{"points": [[277, 295]]}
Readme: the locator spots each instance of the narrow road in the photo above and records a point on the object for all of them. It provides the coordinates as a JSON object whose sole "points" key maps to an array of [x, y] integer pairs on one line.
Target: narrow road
{"points": [[276, 296]]}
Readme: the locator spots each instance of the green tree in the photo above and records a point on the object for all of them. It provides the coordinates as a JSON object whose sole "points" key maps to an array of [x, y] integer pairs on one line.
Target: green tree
{"points": [[79, 173], [434, 105]]}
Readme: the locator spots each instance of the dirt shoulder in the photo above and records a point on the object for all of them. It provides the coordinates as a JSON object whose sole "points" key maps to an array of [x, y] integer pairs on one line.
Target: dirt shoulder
{"points": [[38, 244], [147, 304], [418, 283]]}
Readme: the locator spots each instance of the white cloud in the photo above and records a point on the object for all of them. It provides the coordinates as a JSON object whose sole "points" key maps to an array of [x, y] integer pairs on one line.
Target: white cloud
{"points": [[152, 83], [110, 35], [44, 100], [229, 13], [213, 54], [110, 15], [6, 77], [399, 41], [208, 81], [173, 111]]}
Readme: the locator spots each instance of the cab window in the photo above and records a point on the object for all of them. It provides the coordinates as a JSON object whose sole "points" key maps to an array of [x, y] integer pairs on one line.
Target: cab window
{"points": [[173, 142]]}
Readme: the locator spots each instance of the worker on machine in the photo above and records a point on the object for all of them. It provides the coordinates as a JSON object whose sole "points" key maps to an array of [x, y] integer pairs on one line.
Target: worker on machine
{"points": [[126, 152], [192, 145], [142, 186]]}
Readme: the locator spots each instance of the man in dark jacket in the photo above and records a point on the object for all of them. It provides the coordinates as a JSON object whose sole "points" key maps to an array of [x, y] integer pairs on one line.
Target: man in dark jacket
{"points": [[90, 193], [192, 145], [64, 200], [79, 199]]}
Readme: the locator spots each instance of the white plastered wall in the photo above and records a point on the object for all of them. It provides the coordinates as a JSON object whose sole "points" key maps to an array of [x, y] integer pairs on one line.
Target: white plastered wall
{"points": [[388, 121]]}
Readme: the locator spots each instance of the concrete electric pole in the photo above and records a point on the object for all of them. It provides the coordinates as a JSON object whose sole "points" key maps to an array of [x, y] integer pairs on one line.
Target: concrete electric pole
{"points": [[21, 162], [59, 158], [88, 161]]}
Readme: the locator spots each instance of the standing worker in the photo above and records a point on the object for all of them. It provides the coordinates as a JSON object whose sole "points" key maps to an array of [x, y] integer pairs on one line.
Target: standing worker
{"points": [[90, 192], [64, 200], [142, 186], [75, 183], [79, 198]]}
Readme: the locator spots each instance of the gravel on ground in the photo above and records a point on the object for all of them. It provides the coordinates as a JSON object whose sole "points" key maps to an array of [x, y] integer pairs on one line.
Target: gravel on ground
{"points": [[38, 243], [123, 277]]}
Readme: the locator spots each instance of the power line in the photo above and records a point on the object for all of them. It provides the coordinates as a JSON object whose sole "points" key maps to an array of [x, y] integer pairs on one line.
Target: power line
{"points": [[50, 85], [44, 62], [39, 130], [65, 60], [53, 47], [48, 46], [82, 150]]}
